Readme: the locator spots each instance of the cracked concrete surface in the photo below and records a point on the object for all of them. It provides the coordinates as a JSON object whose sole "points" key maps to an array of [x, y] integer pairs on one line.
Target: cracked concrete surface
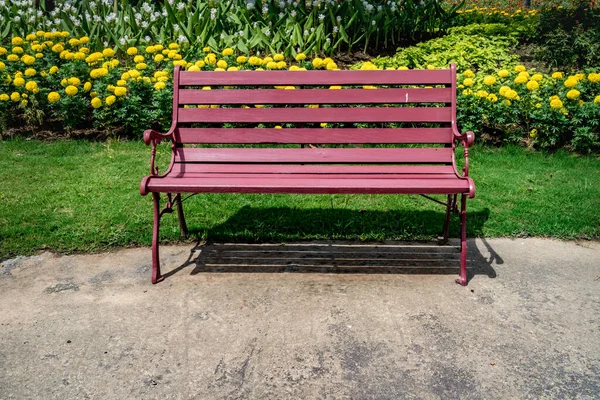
{"points": [[334, 320]]}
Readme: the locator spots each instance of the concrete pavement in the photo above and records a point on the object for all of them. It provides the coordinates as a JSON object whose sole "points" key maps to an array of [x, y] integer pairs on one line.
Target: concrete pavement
{"points": [[329, 320]]}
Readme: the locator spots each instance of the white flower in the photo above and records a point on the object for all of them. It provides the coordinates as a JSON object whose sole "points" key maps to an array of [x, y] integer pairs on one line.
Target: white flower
{"points": [[268, 32], [148, 39], [293, 13], [223, 35], [335, 29], [182, 39], [145, 24], [180, 6], [321, 17], [176, 27], [122, 41], [338, 18], [280, 15]]}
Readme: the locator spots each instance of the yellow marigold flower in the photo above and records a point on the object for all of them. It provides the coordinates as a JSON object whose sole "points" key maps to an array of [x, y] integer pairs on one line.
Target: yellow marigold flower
{"points": [[533, 133], [222, 64], [289, 88], [110, 100], [210, 59], [84, 39], [138, 59], [570, 82], [141, 66], [24, 102], [39, 55], [134, 73], [232, 69], [159, 86], [74, 81], [468, 73], [281, 65], [533, 85], [272, 65], [158, 58], [120, 91], [173, 46], [69, 56], [278, 57], [300, 57], [331, 66], [369, 87], [17, 41], [520, 79], [489, 80], [87, 86], [241, 59], [98, 73], [468, 82], [227, 52], [318, 63], [573, 94], [132, 51], [335, 87], [3, 51], [74, 42], [556, 104], [19, 81], [467, 92], [594, 77], [96, 102], [150, 49], [537, 77], [481, 93], [2, 65], [206, 49], [390, 68], [507, 102], [520, 68], [538, 105], [79, 56], [28, 60], [277, 126], [4, 97], [17, 50], [40, 34], [492, 98], [511, 94], [194, 68], [57, 48], [557, 75], [31, 37], [108, 52], [71, 90], [12, 57], [31, 86], [294, 68], [15, 96], [402, 68], [30, 72]]}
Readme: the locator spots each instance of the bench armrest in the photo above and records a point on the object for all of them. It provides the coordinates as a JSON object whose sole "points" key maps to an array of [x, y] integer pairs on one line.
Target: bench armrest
{"points": [[153, 137], [467, 139]]}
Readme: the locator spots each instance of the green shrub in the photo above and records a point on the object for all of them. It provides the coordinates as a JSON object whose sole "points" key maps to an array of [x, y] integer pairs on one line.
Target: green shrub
{"points": [[467, 50]]}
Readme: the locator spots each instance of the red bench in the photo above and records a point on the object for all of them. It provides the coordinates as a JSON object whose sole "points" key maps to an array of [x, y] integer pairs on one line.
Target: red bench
{"points": [[422, 103]]}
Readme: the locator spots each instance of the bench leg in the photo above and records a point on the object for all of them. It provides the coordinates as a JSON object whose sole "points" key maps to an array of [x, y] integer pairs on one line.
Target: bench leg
{"points": [[462, 279], [444, 238], [156, 276], [182, 224]]}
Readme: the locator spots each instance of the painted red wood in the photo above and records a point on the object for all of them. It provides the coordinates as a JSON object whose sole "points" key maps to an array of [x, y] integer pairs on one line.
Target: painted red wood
{"points": [[319, 155], [200, 176], [286, 185], [345, 114], [295, 78], [179, 168], [315, 96], [314, 135]]}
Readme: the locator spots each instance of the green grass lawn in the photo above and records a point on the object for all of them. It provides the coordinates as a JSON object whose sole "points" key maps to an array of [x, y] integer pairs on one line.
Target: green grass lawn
{"points": [[84, 196]]}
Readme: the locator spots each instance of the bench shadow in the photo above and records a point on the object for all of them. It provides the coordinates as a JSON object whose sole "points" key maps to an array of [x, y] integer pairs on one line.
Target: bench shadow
{"points": [[246, 254]]}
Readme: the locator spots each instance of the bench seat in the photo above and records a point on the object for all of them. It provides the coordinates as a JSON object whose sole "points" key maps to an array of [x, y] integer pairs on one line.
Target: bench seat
{"points": [[251, 178]]}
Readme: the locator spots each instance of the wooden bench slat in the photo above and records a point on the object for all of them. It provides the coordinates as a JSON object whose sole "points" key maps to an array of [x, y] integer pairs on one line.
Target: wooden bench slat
{"points": [[312, 169], [345, 114], [314, 135], [315, 96], [298, 78], [319, 155], [282, 184]]}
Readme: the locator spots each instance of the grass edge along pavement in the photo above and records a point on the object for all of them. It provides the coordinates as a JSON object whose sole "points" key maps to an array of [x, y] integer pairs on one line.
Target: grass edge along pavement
{"points": [[71, 196]]}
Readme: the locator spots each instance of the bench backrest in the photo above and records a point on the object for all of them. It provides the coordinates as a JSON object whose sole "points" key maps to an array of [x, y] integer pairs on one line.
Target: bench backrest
{"points": [[420, 105]]}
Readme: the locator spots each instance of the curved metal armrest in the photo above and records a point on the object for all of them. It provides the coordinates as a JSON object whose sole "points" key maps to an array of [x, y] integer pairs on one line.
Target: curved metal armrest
{"points": [[154, 137], [467, 140]]}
